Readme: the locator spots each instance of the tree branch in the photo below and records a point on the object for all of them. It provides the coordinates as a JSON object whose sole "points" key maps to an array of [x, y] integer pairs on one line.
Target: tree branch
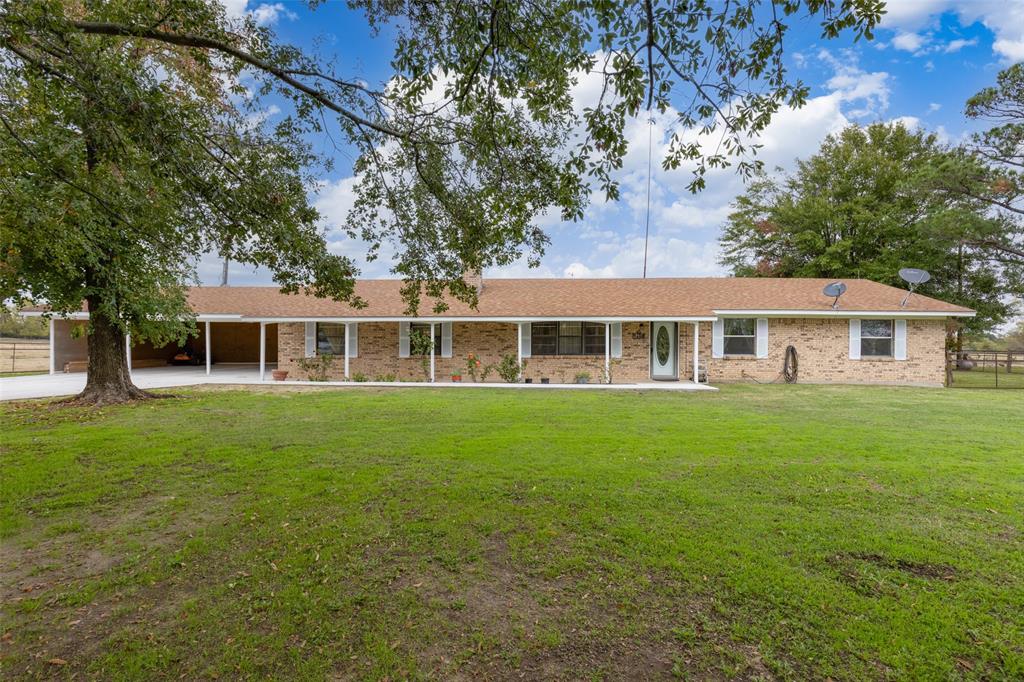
{"points": [[202, 42]]}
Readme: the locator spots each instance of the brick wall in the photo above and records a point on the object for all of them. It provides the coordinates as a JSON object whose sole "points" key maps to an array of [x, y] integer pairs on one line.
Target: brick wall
{"points": [[823, 347], [822, 344], [378, 351]]}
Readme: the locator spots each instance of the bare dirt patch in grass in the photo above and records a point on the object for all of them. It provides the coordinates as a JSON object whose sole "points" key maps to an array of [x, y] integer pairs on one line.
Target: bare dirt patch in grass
{"points": [[66, 596], [499, 620]]}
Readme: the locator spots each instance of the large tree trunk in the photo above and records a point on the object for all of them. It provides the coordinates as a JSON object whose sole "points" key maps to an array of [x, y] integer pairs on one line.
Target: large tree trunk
{"points": [[108, 380]]}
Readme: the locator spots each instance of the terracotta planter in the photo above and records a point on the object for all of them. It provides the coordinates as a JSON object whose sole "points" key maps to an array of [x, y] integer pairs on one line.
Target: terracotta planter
{"points": [[456, 378], [279, 374]]}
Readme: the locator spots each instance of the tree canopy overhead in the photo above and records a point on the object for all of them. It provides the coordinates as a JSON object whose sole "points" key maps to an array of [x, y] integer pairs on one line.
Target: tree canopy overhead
{"points": [[128, 146]]}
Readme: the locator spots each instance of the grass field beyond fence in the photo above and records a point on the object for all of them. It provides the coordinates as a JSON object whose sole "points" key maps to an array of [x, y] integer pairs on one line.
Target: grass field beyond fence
{"points": [[794, 532], [24, 355]]}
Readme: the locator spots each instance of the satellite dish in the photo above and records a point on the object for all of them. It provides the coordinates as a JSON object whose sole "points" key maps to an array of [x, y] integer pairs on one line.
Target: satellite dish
{"points": [[835, 289], [913, 277]]}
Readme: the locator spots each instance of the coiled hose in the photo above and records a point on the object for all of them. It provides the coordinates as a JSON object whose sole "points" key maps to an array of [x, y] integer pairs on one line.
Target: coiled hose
{"points": [[790, 367]]}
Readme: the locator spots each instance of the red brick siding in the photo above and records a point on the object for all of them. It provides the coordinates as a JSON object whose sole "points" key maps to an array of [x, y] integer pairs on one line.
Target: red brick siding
{"points": [[822, 344]]}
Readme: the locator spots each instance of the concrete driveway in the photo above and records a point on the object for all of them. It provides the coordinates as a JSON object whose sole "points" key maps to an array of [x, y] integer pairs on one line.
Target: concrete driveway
{"points": [[53, 385]]}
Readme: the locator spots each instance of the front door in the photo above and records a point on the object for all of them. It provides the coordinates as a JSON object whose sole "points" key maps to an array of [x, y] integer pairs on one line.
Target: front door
{"points": [[664, 347]]}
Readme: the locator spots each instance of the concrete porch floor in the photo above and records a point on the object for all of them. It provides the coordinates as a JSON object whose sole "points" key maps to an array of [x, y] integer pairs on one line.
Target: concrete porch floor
{"points": [[54, 385]]}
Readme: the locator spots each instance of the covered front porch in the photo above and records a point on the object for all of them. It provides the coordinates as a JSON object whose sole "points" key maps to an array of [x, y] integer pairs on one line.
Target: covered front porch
{"points": [[548, 351], [381, 351]]}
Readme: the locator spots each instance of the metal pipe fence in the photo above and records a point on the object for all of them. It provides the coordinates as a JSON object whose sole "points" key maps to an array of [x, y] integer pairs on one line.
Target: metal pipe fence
{"points": [[975, 368], [24, 355]]}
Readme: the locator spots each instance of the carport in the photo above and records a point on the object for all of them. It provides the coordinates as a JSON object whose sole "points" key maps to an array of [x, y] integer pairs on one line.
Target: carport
{"points": [[221, 340]]}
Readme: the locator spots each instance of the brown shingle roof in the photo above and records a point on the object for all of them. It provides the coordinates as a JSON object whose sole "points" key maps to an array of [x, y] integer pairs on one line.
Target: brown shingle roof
{"points": [[639, 298], [597, 298]]}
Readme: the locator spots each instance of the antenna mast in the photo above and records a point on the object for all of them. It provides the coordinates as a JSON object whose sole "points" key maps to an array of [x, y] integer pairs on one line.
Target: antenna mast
{"points": [[647, 227]]}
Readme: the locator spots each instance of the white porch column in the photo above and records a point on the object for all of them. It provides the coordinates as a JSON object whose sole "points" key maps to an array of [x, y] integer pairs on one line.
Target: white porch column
{"points": [[53, 346], [128, 349], [519, 344], [263, 351], [433, 352], [608, 352], [348, 333], [696, 349], [207, 335]]}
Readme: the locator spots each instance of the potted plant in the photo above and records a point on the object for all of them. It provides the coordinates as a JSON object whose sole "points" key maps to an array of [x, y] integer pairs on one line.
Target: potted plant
{"points": [[279, 374], [456, 378], [583, 378]]}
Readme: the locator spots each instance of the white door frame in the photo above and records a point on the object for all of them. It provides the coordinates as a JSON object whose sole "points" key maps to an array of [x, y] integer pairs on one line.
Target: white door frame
{"points": [[673, 345]]}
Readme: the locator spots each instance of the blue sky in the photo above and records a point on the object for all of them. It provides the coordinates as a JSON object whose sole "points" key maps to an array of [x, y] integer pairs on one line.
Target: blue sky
{"points": [[926, 60]]}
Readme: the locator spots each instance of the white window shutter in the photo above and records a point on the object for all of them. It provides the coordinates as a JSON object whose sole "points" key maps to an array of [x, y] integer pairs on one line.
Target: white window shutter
{"points": [[717, 339], [855, 339], [446, 339], [616, 339], [900, 340], [762, 337], [310, 339], [527, 340], [403, 339], [352, 329]]}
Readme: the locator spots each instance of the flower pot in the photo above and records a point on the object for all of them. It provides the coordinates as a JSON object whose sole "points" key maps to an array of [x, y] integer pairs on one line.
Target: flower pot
{"points": [[582, 381], [545, 380], [279, 374], [456, 378]]}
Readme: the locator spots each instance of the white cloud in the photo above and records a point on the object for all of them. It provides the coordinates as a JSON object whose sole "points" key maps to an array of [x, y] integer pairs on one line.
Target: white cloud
{"points": [[519, 269], [933, 107], [1012, 50], [334, 200], [235, 9], [909, 42], [853, 84], [1005, 18], [909, 122], [666, 257], [929, 66], [959, 44], [268, 14]]}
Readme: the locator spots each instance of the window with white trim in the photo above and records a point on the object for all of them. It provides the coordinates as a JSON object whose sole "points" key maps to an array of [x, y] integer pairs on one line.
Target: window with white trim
{"points": [[876, 338], [567, 338], [330, 338], [740, 336], [425, 330]]}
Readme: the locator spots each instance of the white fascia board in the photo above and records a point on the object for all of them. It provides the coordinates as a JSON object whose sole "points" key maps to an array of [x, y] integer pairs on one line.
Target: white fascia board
{"points": [[85, 316], [841, 313], [427, 320], [217, 317], [56, 316]]}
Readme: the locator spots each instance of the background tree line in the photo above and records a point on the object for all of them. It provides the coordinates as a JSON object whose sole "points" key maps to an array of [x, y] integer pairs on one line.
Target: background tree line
{"points": [[880, 197]]}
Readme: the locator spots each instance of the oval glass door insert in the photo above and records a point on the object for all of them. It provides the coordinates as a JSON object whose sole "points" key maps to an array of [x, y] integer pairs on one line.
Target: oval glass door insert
{"points": [[662, 346]]}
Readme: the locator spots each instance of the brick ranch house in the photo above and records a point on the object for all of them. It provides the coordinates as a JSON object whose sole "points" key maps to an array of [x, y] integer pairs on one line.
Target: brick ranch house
{"points": [[622, 330]]}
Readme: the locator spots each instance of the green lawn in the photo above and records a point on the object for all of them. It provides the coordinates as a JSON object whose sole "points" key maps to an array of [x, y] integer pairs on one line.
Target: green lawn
{"points": [[762, 531]]}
